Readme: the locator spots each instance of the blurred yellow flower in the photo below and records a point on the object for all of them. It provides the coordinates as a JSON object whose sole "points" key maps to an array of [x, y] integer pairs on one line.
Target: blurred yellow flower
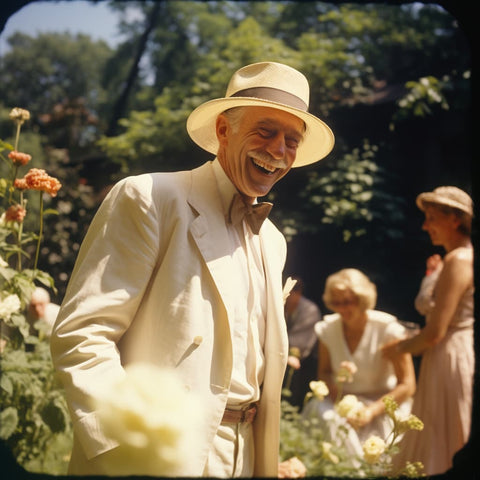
{"points": [[346, 372], [152, 417], [373, 448], [348, 406], [319, 389], [327, 453]]}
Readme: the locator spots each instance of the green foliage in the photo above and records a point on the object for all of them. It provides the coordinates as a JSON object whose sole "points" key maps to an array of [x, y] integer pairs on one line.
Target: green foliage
{"points": [[421, 98], [353, 197], [34, 412], [321, 444], [64, 65], [35, 423]]}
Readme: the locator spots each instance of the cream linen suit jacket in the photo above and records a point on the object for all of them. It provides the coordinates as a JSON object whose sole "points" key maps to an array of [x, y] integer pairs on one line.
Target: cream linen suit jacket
{"points": [[153, 274]]}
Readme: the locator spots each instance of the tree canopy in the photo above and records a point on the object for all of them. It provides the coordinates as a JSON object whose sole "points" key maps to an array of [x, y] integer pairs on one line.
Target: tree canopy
{"points": [[392, 81]]}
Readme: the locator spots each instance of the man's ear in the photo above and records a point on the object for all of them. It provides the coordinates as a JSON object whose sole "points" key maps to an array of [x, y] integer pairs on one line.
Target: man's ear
{"points": [[222, 127]]}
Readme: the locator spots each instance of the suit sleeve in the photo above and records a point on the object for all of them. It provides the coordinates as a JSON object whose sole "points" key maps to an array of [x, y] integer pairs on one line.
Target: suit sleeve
{"points": [[106, 287]]}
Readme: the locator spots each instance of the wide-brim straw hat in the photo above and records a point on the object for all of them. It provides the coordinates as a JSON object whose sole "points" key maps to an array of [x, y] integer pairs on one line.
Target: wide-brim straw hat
{"points": [[449, 196], [265, 84]]}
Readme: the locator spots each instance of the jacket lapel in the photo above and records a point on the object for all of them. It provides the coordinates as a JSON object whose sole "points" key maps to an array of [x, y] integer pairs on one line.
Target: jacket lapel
{"points": [[275, 324], [208, 230]]}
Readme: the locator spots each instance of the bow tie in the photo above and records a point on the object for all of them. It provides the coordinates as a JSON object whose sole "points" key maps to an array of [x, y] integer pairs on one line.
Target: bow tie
{"points": [[253, 214]]}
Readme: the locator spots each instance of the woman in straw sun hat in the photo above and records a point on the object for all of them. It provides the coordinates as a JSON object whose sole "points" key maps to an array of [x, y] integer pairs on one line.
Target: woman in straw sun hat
{"points": [[443, 400]]}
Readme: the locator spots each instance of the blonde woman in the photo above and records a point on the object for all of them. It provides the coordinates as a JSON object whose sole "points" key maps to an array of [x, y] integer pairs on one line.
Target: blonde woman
{"points": [[444, 397], [355, 334]]}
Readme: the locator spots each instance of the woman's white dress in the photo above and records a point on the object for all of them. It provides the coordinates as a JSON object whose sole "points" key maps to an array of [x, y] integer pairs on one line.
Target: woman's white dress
{"points": [[375, 375]]}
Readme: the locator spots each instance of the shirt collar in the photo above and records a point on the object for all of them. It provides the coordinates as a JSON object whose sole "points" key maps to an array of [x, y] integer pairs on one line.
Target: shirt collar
{"points": [[225, 186]]}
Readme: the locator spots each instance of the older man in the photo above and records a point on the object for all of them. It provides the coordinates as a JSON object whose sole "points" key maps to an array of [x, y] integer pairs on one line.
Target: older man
{"points": [[42, 313], [179, 270]]}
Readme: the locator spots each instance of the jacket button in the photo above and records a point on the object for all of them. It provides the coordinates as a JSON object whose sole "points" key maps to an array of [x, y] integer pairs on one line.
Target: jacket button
{"points": [[198, 340]]}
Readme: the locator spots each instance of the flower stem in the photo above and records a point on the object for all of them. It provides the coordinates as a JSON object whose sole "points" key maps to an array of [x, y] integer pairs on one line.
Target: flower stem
{"points": [[12, 188], [40, 233], [17, 136], [19, 238]]}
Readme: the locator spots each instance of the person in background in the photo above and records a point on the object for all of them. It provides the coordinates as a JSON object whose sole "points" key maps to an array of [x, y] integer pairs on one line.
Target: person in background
{"points": [[42, 313], [443, 400], [350, 342], [301, 315], [179, 270]]}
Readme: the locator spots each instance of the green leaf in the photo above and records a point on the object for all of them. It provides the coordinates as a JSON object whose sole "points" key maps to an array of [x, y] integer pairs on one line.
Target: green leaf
{"points": [[6, 384], [5, 145], [8, 422], [50, 211]]}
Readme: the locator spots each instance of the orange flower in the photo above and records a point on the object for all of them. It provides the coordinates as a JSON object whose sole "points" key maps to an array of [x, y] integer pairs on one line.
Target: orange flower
{"points": [[20, 183], [19, 158], [38, 179], [15, 213]]}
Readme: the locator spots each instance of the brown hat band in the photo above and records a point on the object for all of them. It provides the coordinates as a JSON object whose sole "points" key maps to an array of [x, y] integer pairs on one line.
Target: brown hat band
{"points": [[274, 95]]}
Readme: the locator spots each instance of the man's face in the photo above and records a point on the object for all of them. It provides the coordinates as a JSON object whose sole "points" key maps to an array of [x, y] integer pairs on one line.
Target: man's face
{"points": [[37, 307], [261, 150]]}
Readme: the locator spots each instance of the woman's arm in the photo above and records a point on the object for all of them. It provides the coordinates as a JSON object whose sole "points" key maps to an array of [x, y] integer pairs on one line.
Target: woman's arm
{"points": [[405, 388], [455, 278], [324, 369]]}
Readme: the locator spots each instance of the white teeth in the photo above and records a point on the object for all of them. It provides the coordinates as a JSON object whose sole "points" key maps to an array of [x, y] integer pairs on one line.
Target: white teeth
{"points": [[266, 166]]}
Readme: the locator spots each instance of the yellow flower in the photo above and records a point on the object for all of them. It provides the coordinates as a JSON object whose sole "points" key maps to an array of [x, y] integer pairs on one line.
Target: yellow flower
{"points": [[349, 405], [414, 470], [407, 422], [346, 372], [390, 405], [373, 448], [319, 389], [19, 115], [414, 422], [327, 453], [152, 417]]}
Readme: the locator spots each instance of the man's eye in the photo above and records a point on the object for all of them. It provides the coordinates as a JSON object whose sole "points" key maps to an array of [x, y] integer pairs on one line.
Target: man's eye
{"points": [[263, 132], [292, 143]]}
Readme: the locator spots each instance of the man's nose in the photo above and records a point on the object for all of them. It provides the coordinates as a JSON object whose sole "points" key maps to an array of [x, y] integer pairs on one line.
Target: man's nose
{"points": [[276, 148]]}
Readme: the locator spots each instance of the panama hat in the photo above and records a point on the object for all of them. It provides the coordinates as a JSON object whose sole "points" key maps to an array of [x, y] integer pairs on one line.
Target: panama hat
{"points": [[265, 84], [449, 196]]}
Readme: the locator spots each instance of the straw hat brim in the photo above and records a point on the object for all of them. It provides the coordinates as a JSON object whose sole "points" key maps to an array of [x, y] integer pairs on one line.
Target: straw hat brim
{"points": [[432, 197], [318, 138]]}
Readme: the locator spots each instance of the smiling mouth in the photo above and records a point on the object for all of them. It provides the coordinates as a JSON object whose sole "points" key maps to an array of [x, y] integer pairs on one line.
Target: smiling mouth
{"points": [[263, 167]]}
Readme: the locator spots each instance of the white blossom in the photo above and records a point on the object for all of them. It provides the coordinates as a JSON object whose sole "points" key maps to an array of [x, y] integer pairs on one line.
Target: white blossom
{"points": [[373, 448], [153, 418], [9, 305]]}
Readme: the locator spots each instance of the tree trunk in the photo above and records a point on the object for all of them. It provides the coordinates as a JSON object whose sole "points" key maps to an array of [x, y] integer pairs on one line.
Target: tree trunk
{"points": [[121, 103]]}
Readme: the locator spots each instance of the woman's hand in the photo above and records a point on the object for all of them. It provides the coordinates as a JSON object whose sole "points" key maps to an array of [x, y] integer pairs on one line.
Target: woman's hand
{"points": [[293, 362], [390, 350], [361, 418]]}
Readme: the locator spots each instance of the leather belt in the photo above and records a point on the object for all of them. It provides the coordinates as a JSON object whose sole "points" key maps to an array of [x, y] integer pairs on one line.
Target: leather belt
{"points": [[246, 415]]}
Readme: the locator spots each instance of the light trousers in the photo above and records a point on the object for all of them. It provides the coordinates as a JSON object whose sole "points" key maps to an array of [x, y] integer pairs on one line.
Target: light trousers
{"points": [[232, 452]]}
